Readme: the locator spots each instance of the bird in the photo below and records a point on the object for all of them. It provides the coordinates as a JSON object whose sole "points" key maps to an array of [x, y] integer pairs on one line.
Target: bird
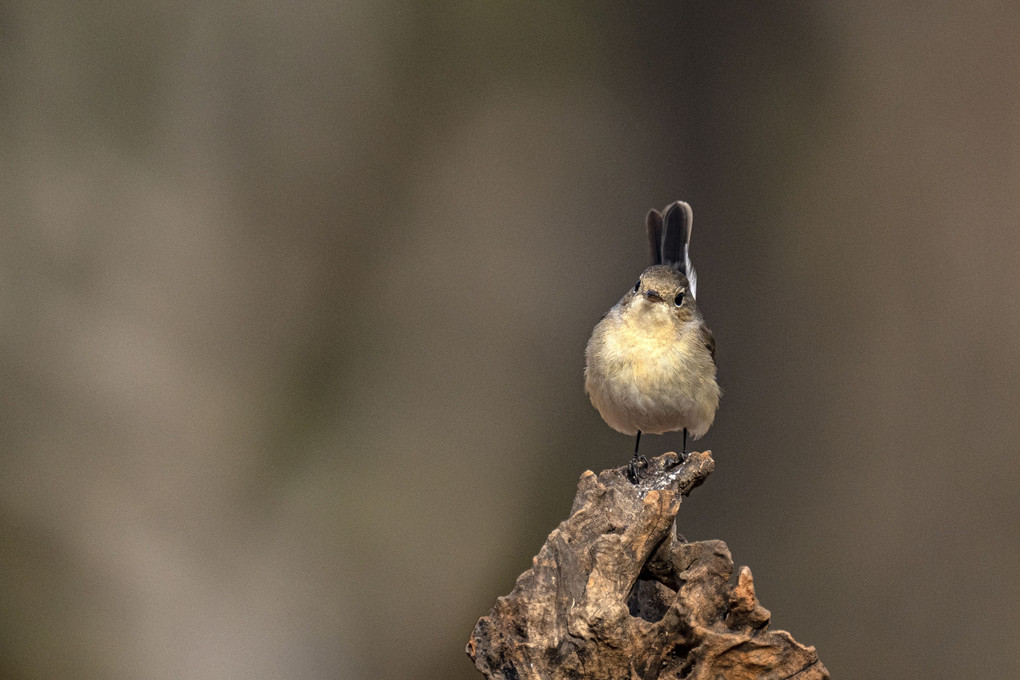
{"points": [[650, 362]]}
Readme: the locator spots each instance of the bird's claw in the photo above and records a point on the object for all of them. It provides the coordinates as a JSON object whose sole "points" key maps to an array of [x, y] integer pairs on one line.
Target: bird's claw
{"points": [[636, 464]]}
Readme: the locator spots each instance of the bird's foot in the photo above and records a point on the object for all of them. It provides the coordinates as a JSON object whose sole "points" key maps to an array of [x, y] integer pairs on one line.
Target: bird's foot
{"points": [[634, 467]]}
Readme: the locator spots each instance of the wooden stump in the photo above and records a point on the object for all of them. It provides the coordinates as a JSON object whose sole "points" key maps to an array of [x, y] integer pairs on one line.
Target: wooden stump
{"points": [[615, 593]]}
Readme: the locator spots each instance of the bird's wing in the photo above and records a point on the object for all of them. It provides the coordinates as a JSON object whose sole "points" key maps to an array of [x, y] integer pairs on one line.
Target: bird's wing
{"points": [[708, 339]]}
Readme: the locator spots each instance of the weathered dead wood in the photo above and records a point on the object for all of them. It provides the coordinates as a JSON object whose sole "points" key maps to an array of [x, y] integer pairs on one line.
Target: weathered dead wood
{"points": [[615, 593]]}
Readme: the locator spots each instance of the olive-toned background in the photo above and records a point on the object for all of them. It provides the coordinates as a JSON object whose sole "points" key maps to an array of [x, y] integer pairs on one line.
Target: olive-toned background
{"points": [[294, 298]]}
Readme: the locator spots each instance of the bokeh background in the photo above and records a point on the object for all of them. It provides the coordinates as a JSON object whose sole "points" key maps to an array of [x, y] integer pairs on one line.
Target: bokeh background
{"points": [[294, 298]]}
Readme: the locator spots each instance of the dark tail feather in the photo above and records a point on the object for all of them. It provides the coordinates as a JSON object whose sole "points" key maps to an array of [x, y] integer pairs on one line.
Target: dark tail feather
{"points": [[654, 222], [676, 235]]}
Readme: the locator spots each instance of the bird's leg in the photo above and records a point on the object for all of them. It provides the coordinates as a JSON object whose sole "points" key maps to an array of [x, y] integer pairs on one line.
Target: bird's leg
{"points": [[683, 455], [636, 462]]}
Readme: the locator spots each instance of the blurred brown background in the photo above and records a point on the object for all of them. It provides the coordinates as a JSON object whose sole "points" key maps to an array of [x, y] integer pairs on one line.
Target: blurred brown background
{"points": [[295, 296]]}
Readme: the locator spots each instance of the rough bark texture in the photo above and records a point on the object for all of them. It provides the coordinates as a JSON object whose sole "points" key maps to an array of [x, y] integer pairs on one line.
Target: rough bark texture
{"points": [[616, 593]]}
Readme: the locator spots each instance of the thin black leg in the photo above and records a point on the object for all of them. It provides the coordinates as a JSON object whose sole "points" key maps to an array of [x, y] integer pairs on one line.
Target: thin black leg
{"points": [[685, 443], [637, 443]]}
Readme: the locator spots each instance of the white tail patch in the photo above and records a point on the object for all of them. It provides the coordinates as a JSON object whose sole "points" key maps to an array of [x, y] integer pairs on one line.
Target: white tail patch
{"points": [[692, 277]]}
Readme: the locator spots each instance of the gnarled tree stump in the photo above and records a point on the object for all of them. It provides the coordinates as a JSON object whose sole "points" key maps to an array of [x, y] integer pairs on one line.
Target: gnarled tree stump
{"points": [[615, 593]]}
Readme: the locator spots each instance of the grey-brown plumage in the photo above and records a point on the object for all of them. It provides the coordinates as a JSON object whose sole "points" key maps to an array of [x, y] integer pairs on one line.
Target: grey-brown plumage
{"points": [[650, 362]]}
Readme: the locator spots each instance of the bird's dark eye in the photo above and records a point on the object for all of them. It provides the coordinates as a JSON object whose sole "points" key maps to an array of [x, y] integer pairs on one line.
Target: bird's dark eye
{"points": [[637, 285], [679, 299]]}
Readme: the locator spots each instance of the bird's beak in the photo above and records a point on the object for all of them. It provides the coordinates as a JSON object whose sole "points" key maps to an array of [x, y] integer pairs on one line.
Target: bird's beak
{"points": [[653, 295]]}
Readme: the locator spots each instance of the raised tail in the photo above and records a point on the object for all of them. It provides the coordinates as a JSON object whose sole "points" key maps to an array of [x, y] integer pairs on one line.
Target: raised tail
{"points": [[669, 235]]}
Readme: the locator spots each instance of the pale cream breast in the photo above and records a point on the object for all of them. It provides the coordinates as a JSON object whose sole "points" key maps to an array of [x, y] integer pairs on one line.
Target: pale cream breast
{"points": [[645, 372]]}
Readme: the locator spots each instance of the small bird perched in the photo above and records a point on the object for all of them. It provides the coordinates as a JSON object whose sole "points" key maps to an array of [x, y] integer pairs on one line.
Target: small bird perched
{"points": [[650, 362]]}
